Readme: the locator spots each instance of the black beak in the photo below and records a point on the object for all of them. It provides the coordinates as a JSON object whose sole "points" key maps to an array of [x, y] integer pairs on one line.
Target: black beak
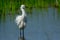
{"points": [[26, 6]]}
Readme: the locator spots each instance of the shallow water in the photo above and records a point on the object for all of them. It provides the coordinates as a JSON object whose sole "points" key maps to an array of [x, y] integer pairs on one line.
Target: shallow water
{"points": [[42, 24]]}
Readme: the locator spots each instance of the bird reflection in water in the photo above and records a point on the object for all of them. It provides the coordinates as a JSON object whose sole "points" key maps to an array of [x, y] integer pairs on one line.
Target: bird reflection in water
{"points": [[21, 38]]}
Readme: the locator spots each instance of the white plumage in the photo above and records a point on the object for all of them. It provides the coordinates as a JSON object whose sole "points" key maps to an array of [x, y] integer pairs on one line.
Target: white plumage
{"points": [[21, 19]]}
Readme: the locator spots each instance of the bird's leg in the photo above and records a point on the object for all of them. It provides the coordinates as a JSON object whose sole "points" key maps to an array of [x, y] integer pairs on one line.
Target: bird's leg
{"points": [[20, 32], [23, 32]]}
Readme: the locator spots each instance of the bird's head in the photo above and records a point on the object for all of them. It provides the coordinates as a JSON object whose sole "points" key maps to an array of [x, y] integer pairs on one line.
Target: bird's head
{"points": [[22, 7]]}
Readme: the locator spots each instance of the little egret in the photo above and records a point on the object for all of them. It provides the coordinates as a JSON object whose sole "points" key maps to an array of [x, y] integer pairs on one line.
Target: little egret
{"points": [[21, 19]]}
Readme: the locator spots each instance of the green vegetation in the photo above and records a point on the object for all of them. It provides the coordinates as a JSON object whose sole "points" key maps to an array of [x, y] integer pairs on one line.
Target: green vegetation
{"points": [[7, 6]]}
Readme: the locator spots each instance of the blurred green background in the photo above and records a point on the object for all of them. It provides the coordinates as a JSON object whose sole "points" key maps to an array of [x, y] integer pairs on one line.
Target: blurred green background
{"points": [[7, 6]]}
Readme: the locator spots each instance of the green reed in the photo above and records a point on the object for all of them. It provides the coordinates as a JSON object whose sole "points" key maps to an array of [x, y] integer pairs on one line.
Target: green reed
{"points": [[11, 6]]}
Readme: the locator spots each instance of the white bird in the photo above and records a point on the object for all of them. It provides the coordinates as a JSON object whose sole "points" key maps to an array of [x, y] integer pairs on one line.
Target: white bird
{"points": [[21, 19]]}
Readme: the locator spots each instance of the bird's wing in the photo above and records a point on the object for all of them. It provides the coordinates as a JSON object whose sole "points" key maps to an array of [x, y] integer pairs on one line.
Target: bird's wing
{"points": [[18, 20]]}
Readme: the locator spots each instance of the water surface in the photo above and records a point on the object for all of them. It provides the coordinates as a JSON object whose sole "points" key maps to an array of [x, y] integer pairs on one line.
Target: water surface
{"points": [[42, 24]]}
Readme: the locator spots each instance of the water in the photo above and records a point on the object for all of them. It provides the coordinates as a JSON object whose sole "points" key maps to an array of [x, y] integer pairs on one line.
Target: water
{"points": [[43, 24]]}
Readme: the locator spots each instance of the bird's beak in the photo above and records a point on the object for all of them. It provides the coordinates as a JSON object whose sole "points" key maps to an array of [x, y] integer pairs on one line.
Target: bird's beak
{"points": [[26, 6]]}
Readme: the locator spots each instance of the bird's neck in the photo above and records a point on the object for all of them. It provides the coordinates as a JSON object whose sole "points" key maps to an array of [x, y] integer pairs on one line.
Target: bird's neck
{"points": [[23, 12]]}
